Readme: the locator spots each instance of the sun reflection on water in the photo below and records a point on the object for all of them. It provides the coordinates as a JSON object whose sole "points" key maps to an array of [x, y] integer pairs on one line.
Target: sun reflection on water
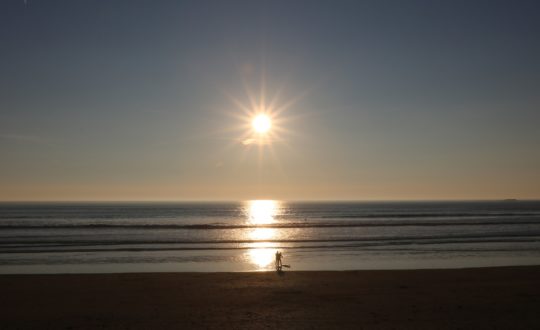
{"points": [[262, 255], [262, 212], [262, 234]]}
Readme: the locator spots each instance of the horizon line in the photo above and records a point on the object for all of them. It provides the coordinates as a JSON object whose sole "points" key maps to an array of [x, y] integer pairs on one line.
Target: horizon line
{"points": [[280, 200]]}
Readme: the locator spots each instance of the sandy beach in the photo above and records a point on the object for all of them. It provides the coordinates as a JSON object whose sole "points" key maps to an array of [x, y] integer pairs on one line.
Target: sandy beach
{"points": [[486, 298]]}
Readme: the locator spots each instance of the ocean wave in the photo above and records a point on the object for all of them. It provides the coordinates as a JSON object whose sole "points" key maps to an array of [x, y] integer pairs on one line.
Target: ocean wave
{"points": [[339, 214], [430, 215], [338, 244], [59, 241], [288, 225]]}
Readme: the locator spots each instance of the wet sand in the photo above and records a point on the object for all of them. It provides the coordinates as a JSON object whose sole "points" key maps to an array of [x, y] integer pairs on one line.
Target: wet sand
{"points": [[483, 298]]}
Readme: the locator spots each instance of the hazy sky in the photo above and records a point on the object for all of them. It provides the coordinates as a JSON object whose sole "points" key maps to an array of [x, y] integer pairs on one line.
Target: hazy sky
{"points": [[134, 100]]}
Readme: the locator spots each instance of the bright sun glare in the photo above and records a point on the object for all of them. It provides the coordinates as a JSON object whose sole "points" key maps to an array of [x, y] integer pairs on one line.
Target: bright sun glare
{"points": [[261, 123]]}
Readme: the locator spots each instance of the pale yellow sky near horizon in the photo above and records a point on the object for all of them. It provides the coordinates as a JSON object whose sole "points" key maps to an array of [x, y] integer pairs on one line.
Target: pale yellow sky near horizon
{"points": [[208, 193]]}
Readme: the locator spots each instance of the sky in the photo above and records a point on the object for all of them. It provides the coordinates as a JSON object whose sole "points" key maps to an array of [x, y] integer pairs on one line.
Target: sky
{"points": [[370, 100]]}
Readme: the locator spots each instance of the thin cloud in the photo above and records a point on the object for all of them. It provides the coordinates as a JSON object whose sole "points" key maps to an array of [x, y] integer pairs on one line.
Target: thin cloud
{"points": [[247, 142], [26, 139], [251, 141]]}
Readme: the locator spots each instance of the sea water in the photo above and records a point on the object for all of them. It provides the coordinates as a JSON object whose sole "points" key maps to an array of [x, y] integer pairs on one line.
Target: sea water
{"points": [[244, 236]]}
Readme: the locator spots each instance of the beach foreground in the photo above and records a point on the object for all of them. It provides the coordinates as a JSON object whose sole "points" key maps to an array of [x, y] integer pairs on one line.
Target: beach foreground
{"points": [[494, 298]]}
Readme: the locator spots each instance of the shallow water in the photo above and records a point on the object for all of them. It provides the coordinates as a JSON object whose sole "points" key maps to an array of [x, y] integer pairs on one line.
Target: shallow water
{"points": [[243, 236]]}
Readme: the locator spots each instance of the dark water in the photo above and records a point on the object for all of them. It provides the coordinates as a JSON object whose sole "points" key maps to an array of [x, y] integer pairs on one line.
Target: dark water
{"points": [[51, 237]]}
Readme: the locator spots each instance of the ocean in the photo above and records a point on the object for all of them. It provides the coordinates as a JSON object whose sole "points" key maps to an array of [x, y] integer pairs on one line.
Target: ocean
{"points": [[244, 236]]}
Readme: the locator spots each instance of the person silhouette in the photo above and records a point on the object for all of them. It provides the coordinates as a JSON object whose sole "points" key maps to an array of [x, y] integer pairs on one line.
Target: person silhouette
{"points": [[279, 263]]}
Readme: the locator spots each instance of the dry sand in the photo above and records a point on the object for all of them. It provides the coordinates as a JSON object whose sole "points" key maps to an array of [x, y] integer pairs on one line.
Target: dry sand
{"points": [[485, 298]]}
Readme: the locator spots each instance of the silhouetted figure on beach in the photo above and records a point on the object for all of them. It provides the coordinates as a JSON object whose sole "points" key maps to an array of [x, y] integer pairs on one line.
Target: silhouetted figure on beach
{"points": [[279, 263]]}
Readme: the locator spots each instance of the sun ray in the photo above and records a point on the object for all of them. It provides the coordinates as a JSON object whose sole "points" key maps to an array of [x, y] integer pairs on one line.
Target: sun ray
{"points": [[265, 117]]}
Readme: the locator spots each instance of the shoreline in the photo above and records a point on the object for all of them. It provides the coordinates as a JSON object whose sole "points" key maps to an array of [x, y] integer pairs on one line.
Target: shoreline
{"points": [[298, 265], [487, 297], [263, 271]]}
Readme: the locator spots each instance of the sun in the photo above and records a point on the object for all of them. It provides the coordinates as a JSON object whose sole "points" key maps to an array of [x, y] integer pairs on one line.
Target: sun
{"points": [[261, 123]]}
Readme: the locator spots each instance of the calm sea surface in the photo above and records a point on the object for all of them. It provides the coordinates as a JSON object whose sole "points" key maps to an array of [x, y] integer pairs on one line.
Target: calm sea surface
{"points": [[243, 236]]}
